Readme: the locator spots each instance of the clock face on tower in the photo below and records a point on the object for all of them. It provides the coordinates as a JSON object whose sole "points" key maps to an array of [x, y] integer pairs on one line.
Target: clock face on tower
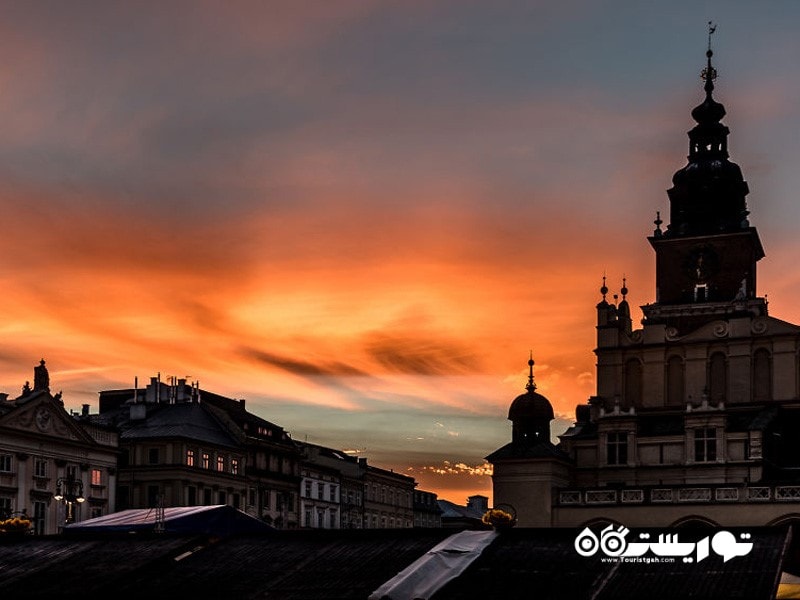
{"points": [[701, 264]]}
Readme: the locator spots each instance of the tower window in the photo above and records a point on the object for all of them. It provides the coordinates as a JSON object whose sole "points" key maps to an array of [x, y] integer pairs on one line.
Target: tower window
{"points": [[701, 292], [717, 377], [705, 444], [762, 376], [675, 381], [617, 448], [633, 383]]}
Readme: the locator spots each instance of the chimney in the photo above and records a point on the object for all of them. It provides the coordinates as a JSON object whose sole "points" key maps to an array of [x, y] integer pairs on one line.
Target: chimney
{"points": [[151, 394], [181, 391], [85, 410], [478, 502]]}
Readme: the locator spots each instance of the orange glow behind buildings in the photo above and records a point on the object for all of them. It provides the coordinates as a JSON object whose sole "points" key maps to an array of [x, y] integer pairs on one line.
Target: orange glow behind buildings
{"points": [[360, 218]]}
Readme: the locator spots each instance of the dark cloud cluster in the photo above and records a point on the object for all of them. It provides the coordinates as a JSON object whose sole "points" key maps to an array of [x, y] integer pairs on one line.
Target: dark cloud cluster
{"points": [[303, 368], [407, 354]]}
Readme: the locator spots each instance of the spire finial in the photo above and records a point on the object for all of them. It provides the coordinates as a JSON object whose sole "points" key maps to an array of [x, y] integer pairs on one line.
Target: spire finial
{"points": [[531, 385], [624, 290], [709, 74], [711, 29], [604, 288]]}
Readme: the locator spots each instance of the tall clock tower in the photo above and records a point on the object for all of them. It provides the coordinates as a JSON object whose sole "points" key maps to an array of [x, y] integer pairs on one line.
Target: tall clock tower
{"points": [[706, 258]]}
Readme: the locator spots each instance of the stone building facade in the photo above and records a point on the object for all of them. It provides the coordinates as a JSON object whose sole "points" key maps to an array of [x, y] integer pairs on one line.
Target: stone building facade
{"points": [[388, 499], [183, 446], [55, 467]]}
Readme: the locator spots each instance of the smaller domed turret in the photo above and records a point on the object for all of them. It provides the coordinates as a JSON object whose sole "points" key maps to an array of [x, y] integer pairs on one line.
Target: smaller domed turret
{"points": [[530, 415]]}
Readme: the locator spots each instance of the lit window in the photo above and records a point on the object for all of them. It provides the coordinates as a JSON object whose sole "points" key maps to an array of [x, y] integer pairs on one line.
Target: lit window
{"points": [[97, 477], [206, 461], [220, 465], [701, 292], [705, 444], [235, 466], [190, 458]]}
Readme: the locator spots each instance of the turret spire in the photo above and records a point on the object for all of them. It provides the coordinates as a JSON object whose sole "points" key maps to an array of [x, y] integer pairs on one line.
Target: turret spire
{"points": [[709, 74], [707, 253], [531, 385]]}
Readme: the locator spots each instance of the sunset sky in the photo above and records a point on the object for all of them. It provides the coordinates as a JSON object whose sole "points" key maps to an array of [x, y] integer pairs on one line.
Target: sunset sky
{"points": [[361, 215]]}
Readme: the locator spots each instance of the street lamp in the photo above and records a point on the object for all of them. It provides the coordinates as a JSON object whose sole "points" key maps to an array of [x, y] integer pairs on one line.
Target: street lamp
{"points": [[70, 490]]}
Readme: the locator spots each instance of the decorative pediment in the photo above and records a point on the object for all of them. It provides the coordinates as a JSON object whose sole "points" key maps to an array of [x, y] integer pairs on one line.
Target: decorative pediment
{"points": [[44, 416]]}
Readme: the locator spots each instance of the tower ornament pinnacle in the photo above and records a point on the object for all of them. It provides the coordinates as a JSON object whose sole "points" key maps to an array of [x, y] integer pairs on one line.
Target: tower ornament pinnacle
{"points": [[709, 74], [531, 384]]}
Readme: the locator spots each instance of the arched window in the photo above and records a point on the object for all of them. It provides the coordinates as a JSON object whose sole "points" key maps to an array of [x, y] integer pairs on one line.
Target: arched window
{"points": [[762, 376], [633, 383], [717, 377], [675, 381]]}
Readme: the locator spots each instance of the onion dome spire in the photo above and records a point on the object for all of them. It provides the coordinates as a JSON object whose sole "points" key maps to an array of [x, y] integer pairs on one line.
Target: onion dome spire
{"points": [[604, 288], [710, 111], [531, 384], [530, 414], [708, 194]]}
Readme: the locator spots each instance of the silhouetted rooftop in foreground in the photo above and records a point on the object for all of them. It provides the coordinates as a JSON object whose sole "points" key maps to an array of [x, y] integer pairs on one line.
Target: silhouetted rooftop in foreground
{"points": [[320, 565]]}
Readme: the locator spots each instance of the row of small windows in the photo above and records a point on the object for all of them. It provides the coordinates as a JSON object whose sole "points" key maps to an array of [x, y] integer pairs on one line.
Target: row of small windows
{"points": [[41, 469], [320, 488], [705, 446], [388, 495], [716, 378], [282, 500], [205, 462], [321, 518], [372, 521]]}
